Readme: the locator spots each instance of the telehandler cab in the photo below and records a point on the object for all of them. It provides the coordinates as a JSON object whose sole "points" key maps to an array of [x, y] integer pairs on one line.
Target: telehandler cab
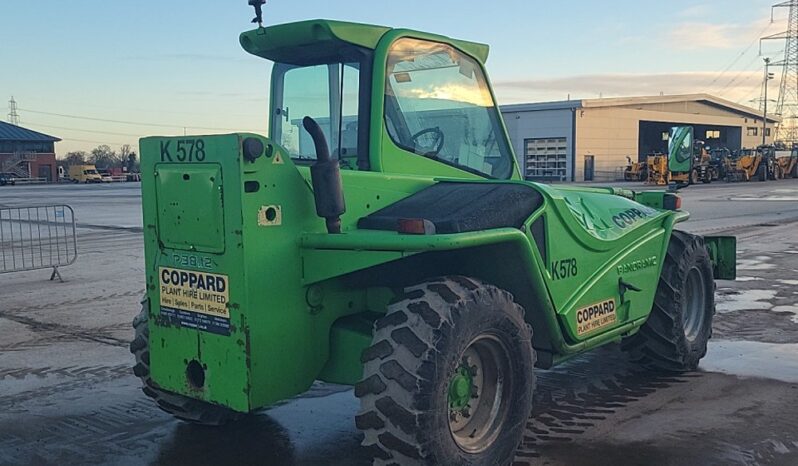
{"points": [[382, 236]]}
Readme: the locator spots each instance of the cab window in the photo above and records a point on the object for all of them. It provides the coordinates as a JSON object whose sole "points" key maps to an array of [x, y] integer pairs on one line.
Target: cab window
{"points": [[328, 93], [438, 105]]}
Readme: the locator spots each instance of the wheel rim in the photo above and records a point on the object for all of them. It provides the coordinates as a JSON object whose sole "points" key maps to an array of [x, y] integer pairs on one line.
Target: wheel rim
{"points": [[693, 314], [478, 394]]}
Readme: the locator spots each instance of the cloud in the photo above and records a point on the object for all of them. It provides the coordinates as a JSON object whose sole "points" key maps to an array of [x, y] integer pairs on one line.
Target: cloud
{"points": [[701, 10], [697, 35], [742, 86]]}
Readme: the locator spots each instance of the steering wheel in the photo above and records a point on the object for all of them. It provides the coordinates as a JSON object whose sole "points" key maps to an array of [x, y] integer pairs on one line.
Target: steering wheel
{"points": [[433, 149]]}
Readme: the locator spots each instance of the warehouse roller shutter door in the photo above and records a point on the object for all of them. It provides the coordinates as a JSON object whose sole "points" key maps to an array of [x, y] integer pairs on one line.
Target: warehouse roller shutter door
{"points": [[545, 159]]}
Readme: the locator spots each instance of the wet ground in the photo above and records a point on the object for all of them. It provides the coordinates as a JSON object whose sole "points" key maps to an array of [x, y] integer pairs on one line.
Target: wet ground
{"points": [[67, 395]]}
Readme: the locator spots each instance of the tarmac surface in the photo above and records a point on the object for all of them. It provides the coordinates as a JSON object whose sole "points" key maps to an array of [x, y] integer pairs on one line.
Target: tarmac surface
{"points": [[68, 396]]}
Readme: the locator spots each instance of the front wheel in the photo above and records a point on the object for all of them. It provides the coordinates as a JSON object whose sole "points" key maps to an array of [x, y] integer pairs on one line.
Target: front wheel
{"points": [[449, 377], [694, 177], [675, 336]]}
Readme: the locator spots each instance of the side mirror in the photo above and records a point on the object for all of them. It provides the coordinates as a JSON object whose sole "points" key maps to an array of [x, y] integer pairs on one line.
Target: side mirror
{"points": [[680, 149]]}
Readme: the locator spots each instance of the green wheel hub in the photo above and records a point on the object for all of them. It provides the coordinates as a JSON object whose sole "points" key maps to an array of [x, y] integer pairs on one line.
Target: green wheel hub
{"points": [[461, 388], [478, 393]]}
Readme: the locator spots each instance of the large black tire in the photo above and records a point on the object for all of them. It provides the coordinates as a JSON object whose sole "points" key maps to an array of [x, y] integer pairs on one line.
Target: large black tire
{"points": [[694, 177], [420, 348], [675, 336], [181, 407], [762, 171]]}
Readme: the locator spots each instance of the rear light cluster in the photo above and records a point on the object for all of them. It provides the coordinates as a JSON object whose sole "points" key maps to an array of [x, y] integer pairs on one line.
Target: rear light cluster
{"points": [[672, 202], [415, 226]]}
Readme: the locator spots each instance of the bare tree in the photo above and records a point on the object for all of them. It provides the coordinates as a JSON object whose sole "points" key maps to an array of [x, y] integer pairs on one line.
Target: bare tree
{"points": [[124, 151], [103, 156], [75, 158]]}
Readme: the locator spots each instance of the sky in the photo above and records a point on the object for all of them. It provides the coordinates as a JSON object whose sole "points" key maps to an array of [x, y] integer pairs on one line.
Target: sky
{"points": [[108, 72]]}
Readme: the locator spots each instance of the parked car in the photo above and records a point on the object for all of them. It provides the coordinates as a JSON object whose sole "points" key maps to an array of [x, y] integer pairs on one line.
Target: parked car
{"points": [[8, 178], [105, 175]]}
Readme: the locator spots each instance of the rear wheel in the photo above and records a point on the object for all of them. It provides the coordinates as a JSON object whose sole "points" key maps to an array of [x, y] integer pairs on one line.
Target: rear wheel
{"points": [[694, 177], [448, 378], [675, 336], [182, 407]]}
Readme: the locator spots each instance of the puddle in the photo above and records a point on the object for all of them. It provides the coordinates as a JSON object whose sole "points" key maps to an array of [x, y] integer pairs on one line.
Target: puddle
{"points": [[753, 359], [755, 263], [792, 308], [745, 300], [765, 198], [789, 282], [748, 279]]}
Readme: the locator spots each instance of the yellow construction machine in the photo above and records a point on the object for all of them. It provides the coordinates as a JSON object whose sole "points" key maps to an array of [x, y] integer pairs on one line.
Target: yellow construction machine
{"points": [[748, 164], [657, 169], [635, 171], [786, 164], [703, 170]]}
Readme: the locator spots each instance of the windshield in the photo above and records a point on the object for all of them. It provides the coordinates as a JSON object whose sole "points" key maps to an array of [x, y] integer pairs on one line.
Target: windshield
{"points": [[89, 172], [438, 104], [328, 93]]}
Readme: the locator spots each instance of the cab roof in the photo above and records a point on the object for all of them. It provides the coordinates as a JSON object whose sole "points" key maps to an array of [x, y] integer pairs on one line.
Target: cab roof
{"points": [[287, 43]]}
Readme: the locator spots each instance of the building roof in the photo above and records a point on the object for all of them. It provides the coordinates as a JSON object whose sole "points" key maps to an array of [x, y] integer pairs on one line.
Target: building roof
{"points": [[535, 106], [639, 100], [9, 132]]}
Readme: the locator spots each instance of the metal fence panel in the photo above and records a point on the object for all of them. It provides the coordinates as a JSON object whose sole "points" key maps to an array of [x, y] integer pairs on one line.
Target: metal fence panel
{"points": [[37, 237]]}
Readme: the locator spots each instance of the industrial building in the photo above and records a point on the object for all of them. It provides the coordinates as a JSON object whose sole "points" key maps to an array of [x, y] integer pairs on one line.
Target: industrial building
{"points": [[590, 139], [27, 153]]}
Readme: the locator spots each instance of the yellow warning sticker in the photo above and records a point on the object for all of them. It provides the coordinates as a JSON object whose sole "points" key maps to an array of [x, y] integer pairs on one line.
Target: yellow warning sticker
{"points": [[200, 292], [595, 316]]}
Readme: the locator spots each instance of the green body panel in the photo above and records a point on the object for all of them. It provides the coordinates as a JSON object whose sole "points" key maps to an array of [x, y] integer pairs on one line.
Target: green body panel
{"points": [[723, 251], [288, 42], [170, 227], [302, 302], [615, 238], [190, 200]]}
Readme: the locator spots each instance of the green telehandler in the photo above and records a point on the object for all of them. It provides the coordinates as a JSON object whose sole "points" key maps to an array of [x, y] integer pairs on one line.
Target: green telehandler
{"points": [[382, 236]]}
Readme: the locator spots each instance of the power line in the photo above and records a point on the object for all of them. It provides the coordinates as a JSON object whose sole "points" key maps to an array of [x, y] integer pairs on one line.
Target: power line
{"points": [[151, 110], [30, 123], [94, 142], [746, 68], [135, 123], [734, 62]]}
